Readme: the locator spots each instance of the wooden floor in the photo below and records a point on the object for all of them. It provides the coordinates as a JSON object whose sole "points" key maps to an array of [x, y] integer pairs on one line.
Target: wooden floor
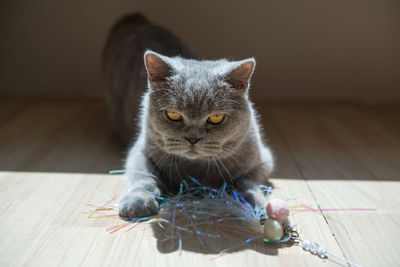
{"points": [[330, 157]]}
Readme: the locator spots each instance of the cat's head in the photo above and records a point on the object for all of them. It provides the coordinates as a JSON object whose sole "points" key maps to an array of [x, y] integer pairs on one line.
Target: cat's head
{"points": [[198, 109]]}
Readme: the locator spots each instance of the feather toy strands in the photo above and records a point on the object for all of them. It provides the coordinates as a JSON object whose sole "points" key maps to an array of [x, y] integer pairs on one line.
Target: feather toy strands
{"points": [[220, 219]]}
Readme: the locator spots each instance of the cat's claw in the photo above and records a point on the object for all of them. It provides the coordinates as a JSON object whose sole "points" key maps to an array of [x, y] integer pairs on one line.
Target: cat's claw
{"points": [[137, 205]]}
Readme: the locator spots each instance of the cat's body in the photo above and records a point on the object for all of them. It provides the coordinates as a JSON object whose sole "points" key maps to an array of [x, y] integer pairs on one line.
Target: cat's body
{"points": [[124, 70], [196, 119]]}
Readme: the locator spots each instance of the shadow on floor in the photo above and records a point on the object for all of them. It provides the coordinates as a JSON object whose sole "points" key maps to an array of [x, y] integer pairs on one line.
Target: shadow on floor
{"points": [[210, 235]]}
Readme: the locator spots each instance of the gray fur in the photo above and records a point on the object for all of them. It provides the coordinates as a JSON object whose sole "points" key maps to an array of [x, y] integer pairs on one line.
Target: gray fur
{"points": [[231, 152], [124, 72]]}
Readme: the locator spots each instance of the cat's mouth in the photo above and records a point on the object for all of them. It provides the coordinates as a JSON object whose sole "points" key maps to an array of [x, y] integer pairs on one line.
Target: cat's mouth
{"points": [[208, 150], [198, 153], [192, 153]]}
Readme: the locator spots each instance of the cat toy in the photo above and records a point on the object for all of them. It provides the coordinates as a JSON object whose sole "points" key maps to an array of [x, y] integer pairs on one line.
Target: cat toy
{"points": [[213, 216], [278, 212]]}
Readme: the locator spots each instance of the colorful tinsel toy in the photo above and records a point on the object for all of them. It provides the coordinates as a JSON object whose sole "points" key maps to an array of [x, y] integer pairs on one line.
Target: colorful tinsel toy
{"points": [[220, 221]]}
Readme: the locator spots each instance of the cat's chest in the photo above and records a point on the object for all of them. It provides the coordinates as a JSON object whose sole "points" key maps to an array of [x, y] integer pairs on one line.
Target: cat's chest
{"points": [[208, 172]]}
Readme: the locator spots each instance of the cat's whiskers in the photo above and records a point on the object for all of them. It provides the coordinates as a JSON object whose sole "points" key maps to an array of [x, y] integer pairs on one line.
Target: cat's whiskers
{"points": [[211, 143], [208, 169], [238, 157], [160, 162], [154, 151], [177, 169], [148, 155], [216, 148], [165, 166], [219, 171], [227, 172]]}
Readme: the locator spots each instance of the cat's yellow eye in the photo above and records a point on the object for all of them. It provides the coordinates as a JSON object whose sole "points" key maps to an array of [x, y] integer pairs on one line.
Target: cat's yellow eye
{"points": [[216, 118], [173, 115]]}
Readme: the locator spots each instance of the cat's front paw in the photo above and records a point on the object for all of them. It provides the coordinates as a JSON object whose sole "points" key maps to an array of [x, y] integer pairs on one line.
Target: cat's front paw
{"points": [[137, 204]]}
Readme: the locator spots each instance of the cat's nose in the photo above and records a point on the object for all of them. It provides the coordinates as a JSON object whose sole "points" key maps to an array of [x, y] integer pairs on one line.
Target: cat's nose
{"points": [[192, 140]]}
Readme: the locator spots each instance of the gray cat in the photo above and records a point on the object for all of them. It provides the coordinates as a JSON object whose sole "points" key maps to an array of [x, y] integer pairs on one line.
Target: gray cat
{"points": [[196, 119]]}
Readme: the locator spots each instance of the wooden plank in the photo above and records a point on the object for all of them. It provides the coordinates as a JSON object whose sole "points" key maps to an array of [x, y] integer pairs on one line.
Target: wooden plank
{"points": [[60, 135], [348, 155], [285, 164], [288, 167], [374, 140], [21, 137], [318, 153], [84, 143], [345, 148], [392, 112], [41, 223], [370, 136], [10, 107], [366, 237]]}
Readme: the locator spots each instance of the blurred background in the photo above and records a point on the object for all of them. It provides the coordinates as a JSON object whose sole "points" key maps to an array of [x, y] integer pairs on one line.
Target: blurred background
{"points": [[305, 50]]}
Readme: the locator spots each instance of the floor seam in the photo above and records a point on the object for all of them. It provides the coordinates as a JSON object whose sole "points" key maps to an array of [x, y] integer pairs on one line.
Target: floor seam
{"points": [[307, 183]]}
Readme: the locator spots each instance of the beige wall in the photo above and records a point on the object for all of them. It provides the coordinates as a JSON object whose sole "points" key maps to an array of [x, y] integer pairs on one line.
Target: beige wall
{"points": [[336, 49]]}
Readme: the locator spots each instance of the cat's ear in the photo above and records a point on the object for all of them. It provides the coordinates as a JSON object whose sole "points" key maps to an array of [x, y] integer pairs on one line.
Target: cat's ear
{"points": [[240, 74], [157, 67]]}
